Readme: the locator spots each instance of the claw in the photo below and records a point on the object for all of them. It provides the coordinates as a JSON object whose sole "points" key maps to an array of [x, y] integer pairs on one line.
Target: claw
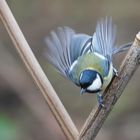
{"points": [[100, 99], [115, 72]]}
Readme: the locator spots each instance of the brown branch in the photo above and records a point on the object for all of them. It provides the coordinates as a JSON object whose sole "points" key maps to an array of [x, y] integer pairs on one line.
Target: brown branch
{"points": [[112, 94], [36, 72]]}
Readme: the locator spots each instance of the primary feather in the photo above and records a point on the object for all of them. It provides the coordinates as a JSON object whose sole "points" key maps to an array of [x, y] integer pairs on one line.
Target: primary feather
{"points": [[103, 40]]}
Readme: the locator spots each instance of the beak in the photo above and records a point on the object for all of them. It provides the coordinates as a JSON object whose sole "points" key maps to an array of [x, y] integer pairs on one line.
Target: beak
{"points": [[82, 91]]}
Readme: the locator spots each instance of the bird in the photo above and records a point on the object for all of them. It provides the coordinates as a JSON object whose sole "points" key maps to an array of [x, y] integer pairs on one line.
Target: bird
{"points": [[86, 60]]}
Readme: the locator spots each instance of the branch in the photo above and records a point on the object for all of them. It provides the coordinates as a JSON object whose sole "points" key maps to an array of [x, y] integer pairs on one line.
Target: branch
{"points": [[36, 72], [112, 94]]}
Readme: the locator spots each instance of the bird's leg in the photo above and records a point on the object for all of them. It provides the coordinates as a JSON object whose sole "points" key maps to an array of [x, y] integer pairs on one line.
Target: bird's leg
{"points": [[100, 99]]}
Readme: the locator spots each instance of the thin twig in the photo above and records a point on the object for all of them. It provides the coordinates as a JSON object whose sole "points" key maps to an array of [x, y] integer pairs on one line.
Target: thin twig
{"points": [[112, 94], [36, 72]]}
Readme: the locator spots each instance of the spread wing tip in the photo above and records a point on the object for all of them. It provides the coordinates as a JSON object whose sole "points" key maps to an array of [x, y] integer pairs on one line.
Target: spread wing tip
{"points": [[57, 49]]}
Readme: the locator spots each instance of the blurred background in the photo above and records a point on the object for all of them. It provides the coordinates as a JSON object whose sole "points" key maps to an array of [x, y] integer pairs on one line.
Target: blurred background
{"points": [[24, 115]]}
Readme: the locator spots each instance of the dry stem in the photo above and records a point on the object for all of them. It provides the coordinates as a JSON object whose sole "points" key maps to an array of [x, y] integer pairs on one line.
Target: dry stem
{"points": [[36, 72], [112, 94]]}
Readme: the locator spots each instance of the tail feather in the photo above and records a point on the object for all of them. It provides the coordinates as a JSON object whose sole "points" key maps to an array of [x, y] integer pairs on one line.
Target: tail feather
{"points": [[122, 48]]}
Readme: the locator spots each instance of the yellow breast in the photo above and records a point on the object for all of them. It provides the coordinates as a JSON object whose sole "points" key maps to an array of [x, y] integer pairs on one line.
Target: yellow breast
{"points": [[108, 78]]}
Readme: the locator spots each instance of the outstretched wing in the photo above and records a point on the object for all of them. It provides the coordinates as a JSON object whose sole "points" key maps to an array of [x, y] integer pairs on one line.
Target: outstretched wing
{"points": [[103, 39], [64, 46]]}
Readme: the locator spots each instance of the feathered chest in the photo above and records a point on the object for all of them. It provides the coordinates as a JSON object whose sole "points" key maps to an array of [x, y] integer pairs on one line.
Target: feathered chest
{"points": [[92, 61]]}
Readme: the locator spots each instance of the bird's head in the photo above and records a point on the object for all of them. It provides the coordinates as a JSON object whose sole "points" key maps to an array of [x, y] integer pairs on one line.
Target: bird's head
{"points": [[90, 81]]}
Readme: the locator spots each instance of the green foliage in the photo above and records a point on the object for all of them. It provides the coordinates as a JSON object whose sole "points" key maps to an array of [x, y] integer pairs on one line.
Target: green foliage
{"points": [[8, 130]]}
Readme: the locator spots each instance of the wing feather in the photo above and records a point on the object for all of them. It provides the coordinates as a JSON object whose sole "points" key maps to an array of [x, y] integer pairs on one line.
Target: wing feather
{"points": [[104, 38], [122, 48], [64, 46]]}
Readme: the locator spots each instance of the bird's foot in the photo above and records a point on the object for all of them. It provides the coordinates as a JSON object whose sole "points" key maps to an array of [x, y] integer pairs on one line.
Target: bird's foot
{"points": [[115, 71], [100, 100]]}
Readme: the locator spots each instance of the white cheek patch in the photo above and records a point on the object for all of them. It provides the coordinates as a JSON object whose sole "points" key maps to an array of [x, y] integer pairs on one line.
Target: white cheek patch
{"points": [[96, 85]]}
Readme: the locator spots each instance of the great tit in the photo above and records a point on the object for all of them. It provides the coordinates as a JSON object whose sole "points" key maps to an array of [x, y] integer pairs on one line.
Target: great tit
{"points": [[85, 60]]}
